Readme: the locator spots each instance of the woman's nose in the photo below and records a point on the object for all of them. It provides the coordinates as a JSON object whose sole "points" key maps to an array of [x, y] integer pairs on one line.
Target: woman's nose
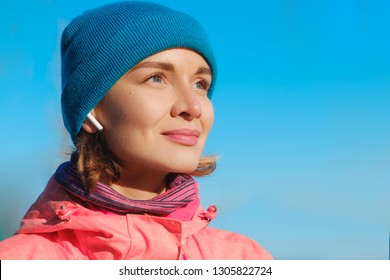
{"points": [[187, 104]]}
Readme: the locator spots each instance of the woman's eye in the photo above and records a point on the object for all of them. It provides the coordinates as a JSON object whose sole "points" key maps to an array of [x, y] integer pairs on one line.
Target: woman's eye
{"points": [[156, 79], [202, 85]]}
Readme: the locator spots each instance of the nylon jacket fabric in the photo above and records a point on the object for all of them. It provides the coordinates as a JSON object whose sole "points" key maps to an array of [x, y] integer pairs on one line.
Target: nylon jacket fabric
{"points": [[59, 227]]}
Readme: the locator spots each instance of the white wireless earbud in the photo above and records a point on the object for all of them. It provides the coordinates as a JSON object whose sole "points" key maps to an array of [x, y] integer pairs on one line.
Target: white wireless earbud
{"points": [[94, 122]]}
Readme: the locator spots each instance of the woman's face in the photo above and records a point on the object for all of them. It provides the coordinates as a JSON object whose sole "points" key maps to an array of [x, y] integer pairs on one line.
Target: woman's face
{"points": [[158, 115]]}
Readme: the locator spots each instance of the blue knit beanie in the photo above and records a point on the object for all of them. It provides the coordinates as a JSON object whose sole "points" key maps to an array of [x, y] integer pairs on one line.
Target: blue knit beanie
{"points": [[101, 45]]}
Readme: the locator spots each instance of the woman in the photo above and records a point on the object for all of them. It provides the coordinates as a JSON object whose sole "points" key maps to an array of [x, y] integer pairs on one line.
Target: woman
{"points": [[136, 85]]}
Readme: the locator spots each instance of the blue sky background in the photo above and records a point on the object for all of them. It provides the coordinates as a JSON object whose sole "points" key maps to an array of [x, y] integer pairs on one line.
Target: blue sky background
{"points": [[302, 119]]}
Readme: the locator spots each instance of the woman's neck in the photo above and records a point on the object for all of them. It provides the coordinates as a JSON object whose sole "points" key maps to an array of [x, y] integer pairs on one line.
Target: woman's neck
{"points": [[140, 186]]}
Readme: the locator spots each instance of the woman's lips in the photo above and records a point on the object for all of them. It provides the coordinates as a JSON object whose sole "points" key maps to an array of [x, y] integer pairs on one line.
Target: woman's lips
{"points": [[187, 137]]}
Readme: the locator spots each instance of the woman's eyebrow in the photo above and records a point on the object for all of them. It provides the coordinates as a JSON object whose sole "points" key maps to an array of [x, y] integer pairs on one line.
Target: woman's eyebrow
{"points": [[168, 67], [151, 64], [203, 70]]}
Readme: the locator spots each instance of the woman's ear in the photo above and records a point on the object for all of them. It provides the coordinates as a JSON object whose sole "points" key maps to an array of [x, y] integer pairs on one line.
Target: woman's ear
{"points": [[91, 125]]}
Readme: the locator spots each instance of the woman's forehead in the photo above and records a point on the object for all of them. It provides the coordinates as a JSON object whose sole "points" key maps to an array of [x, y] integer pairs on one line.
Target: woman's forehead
{"points": [[171, 58]]}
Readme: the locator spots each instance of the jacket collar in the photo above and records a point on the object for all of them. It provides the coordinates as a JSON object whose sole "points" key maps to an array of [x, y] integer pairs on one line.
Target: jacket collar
{"points": [[56, 210]]}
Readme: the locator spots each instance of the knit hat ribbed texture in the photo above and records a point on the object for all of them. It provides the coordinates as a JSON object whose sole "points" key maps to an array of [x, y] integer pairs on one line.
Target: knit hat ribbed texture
{"points": [[101, 45]]}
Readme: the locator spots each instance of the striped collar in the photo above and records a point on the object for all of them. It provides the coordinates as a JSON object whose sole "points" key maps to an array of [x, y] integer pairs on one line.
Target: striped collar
{"points": [[182, 191]]}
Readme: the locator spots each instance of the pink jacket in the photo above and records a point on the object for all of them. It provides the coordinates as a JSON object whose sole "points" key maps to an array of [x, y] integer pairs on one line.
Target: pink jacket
{"points": [[56, 227]]}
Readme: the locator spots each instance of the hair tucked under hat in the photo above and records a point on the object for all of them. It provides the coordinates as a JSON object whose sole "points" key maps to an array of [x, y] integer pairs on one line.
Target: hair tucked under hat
{"points": [[101, 45]]}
